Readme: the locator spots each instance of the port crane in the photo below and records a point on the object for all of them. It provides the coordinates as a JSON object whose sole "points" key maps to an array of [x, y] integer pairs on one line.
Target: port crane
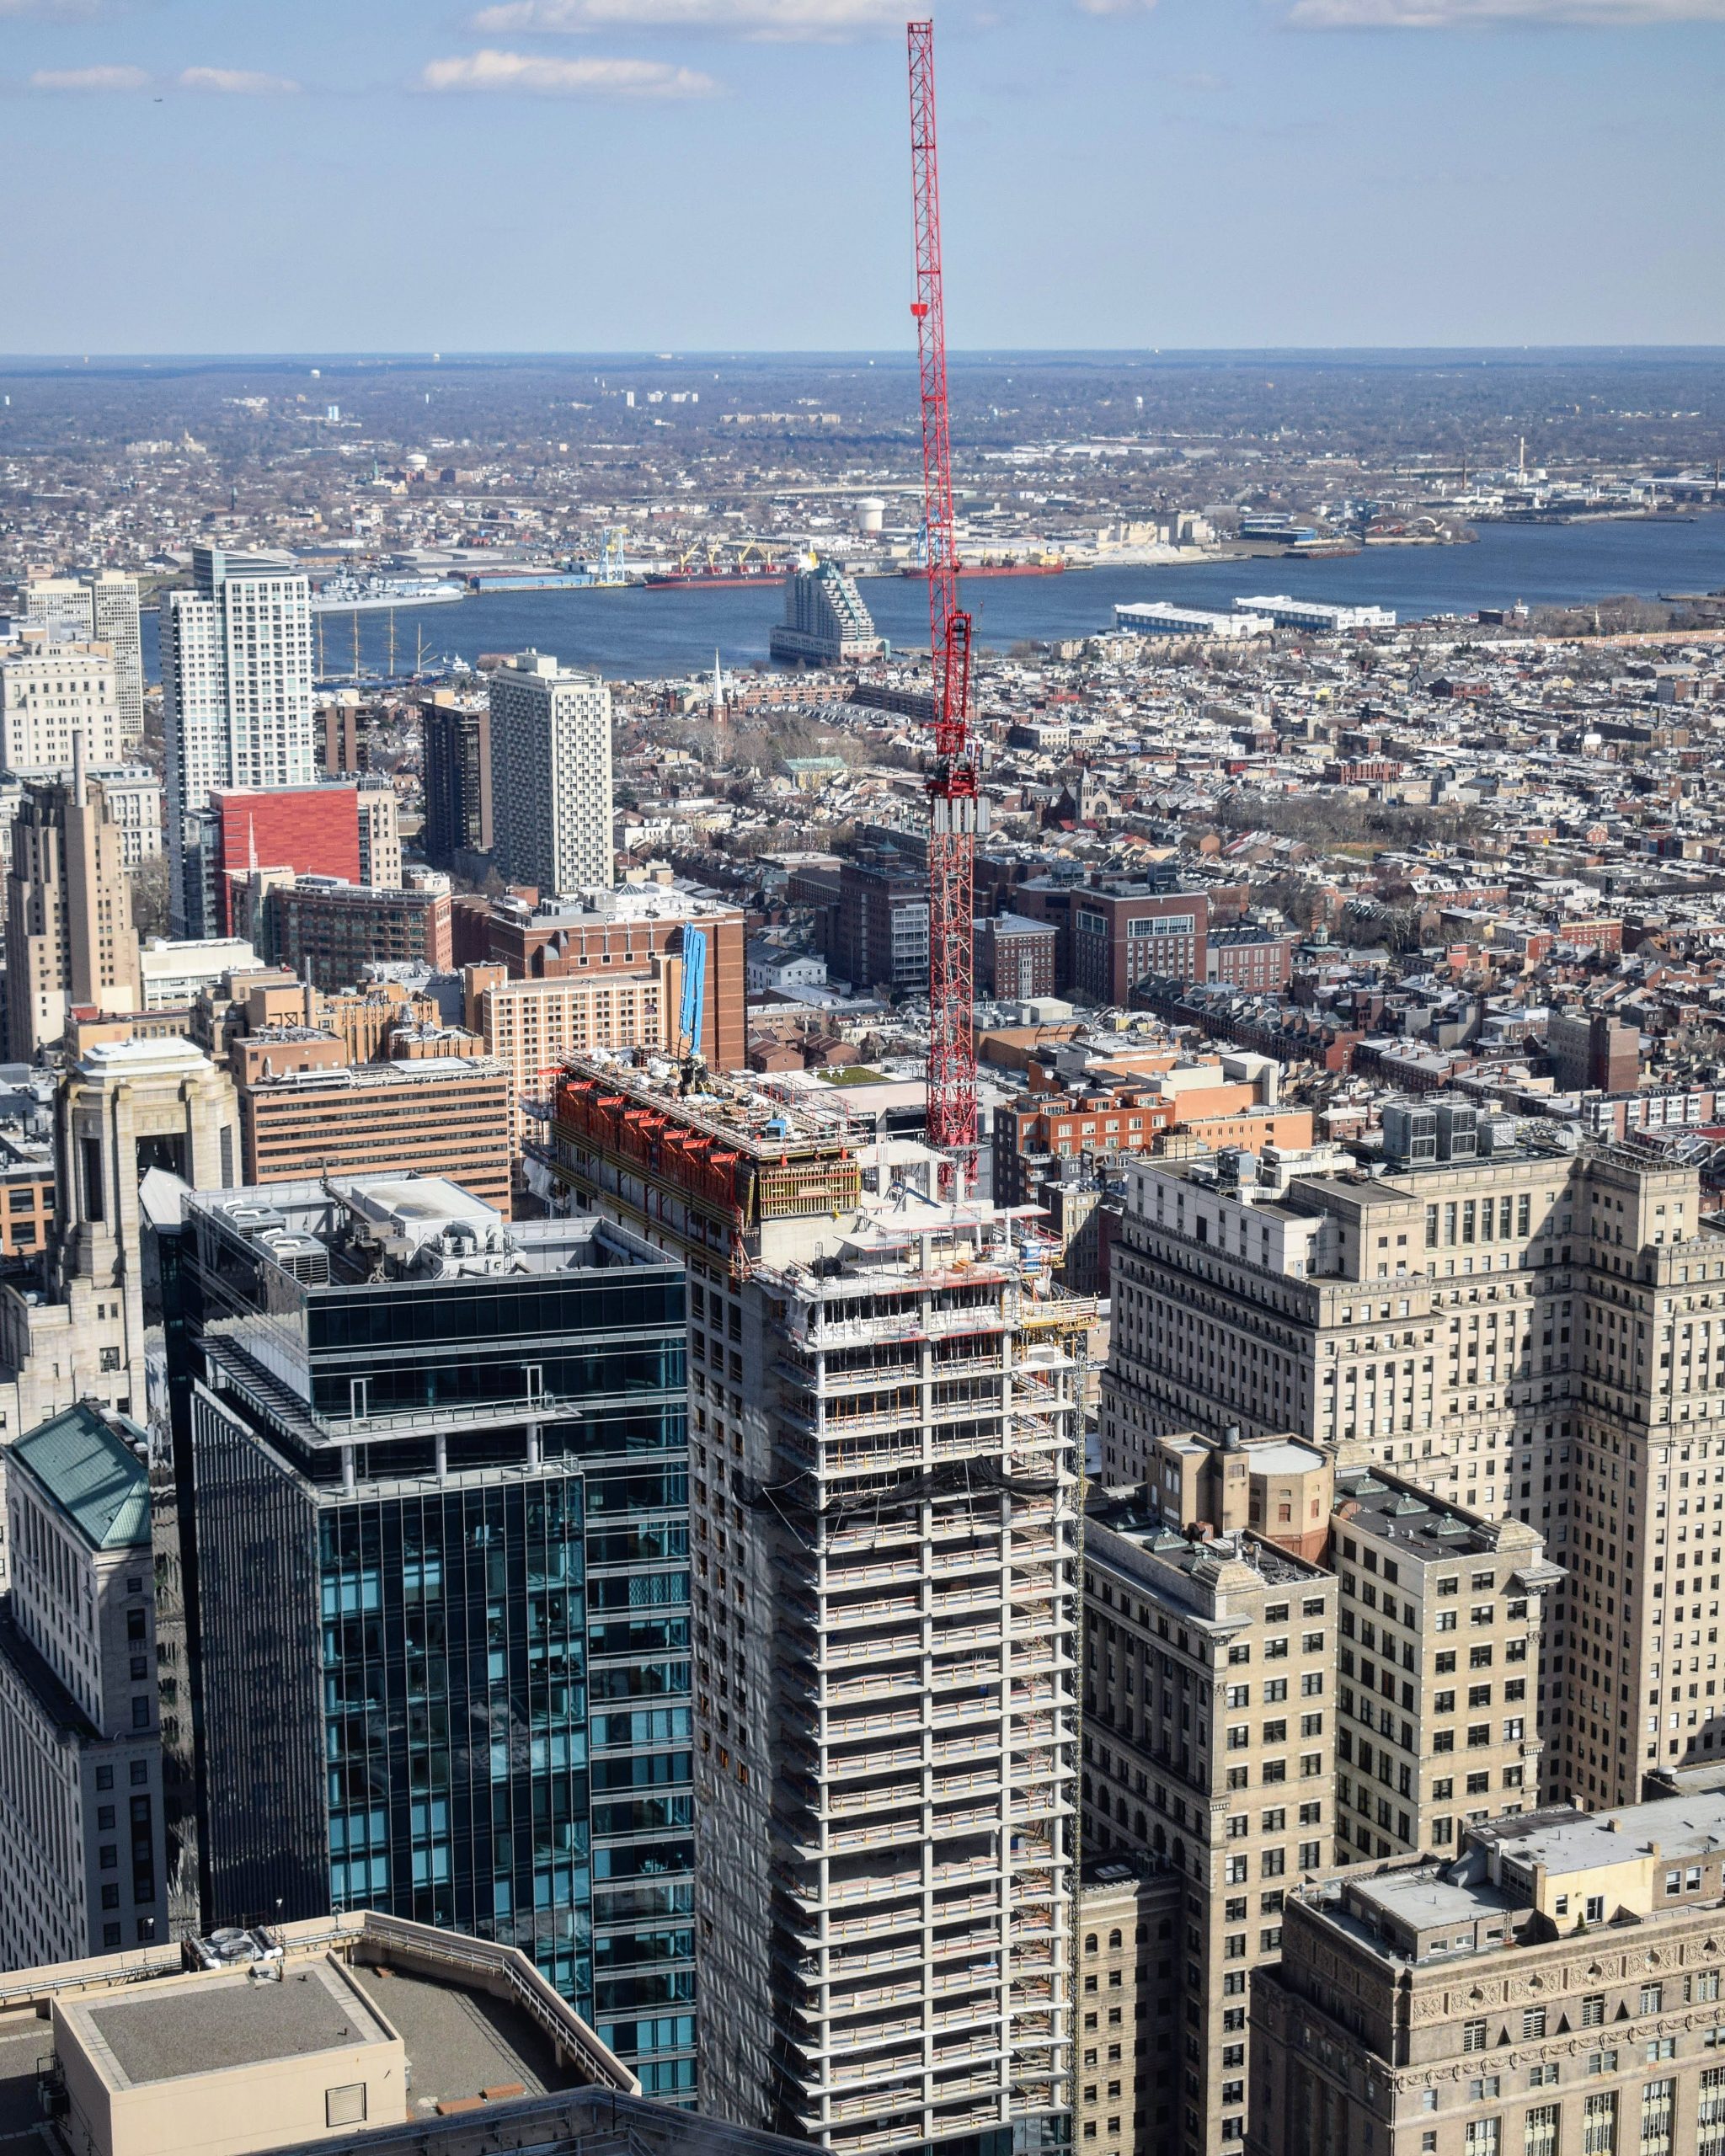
{"points": [[957, 811]]}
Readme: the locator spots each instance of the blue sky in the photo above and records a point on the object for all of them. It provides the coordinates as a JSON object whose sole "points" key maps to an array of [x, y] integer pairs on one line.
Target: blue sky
{"points": [[269, 176]]}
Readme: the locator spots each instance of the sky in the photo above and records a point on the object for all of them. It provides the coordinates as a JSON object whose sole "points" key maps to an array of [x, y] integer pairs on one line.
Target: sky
{"points": [[700, 175]]}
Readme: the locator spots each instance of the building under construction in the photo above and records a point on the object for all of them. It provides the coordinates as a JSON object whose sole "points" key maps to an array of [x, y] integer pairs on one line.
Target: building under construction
{"points": [[885, 1461]]}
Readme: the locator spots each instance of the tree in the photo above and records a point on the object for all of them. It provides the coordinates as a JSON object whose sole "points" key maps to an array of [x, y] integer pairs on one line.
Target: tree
{"points": [[149, 897]]}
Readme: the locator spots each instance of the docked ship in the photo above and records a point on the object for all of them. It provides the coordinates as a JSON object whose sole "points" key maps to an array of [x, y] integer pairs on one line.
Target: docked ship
{"points": [[370, 594], [1049, 565], [764, 575]]}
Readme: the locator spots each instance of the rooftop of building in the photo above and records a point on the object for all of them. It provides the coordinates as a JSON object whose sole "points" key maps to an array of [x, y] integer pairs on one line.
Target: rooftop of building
{"points": [[1525, 1878], [623, 904], [84, 1463], [383, 1229], [1675, 1830], [1221, 1561], [366, 1077], [490, 2048], [1427, 1528], [757, 1116], [142, 1059]]}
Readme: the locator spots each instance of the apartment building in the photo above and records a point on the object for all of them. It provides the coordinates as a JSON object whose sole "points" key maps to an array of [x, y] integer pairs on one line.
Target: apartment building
{"points": [[884, 1449], [1209, 1736], [380, 835], [624, 929], [458, 758], [1439, 1659], [1524, 1332], [82, 1868], [1130, 1926], [331, 933], [1554, 1988], [53, 693], [550, 776], [237, 699]]}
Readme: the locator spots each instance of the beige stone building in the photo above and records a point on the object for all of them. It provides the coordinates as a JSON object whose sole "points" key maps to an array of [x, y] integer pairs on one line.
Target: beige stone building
{"points": [[1554, 1991], [1209, 1739], [1130, 1924], [52, 693], [1525, 1332], [1438, 1660], [69, 942]]}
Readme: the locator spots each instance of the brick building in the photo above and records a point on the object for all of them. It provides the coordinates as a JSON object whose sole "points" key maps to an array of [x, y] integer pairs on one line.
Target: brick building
{"points": [[628, 930], [445, 1115], [313, 829], [1256, 960], [1015, 957], [329, 932]]}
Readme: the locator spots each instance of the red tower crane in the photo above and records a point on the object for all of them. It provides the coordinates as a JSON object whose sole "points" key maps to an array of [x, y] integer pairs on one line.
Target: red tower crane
{"points": [[956, 809]]}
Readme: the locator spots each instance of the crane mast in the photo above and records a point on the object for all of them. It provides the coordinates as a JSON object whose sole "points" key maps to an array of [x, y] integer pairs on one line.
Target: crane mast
{"points": [[956, 809]]}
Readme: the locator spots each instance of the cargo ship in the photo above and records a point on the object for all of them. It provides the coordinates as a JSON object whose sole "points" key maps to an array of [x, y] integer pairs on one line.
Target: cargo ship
{"points": [[767, 577], [1053, 566]]}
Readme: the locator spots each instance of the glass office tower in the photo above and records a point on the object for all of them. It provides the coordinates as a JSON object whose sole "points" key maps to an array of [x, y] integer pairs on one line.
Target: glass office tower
{"points": [[436, 1471]]}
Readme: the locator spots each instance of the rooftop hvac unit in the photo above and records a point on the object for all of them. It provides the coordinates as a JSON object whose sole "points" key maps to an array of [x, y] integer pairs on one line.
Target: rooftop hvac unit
{"points": [[1410, 1132], [1458, 1130], [303, 1256], [1497, 1135]]}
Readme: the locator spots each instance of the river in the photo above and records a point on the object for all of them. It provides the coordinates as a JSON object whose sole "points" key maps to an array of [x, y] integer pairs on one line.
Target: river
{"points": [[637, 634]]}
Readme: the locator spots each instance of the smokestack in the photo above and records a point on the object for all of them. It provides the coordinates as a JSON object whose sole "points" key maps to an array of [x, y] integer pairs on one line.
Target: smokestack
{"points": [[79, 794]]}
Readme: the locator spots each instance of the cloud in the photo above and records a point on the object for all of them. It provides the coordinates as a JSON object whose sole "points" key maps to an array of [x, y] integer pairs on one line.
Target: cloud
{"points": [[89, 78], [1482, 14], [238, 82], [62, 8], [566, 78], [785, 21], [1116, 7]]}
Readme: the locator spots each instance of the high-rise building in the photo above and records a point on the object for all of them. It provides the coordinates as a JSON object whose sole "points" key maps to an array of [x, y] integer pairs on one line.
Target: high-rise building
{"points": [[458, 766], [101, 607], [879, 926], [1592, 1052], [52, 695], [1211, 1739], [626, 929], [825, 623], [82, 1868], [1555, 1987], [237, 696], [551, 776], [70, 943], [380, 835], [433, 1514], [1439, 1691], [131, 794], [884, 1473], [114, 621], [1525, 1331]]}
